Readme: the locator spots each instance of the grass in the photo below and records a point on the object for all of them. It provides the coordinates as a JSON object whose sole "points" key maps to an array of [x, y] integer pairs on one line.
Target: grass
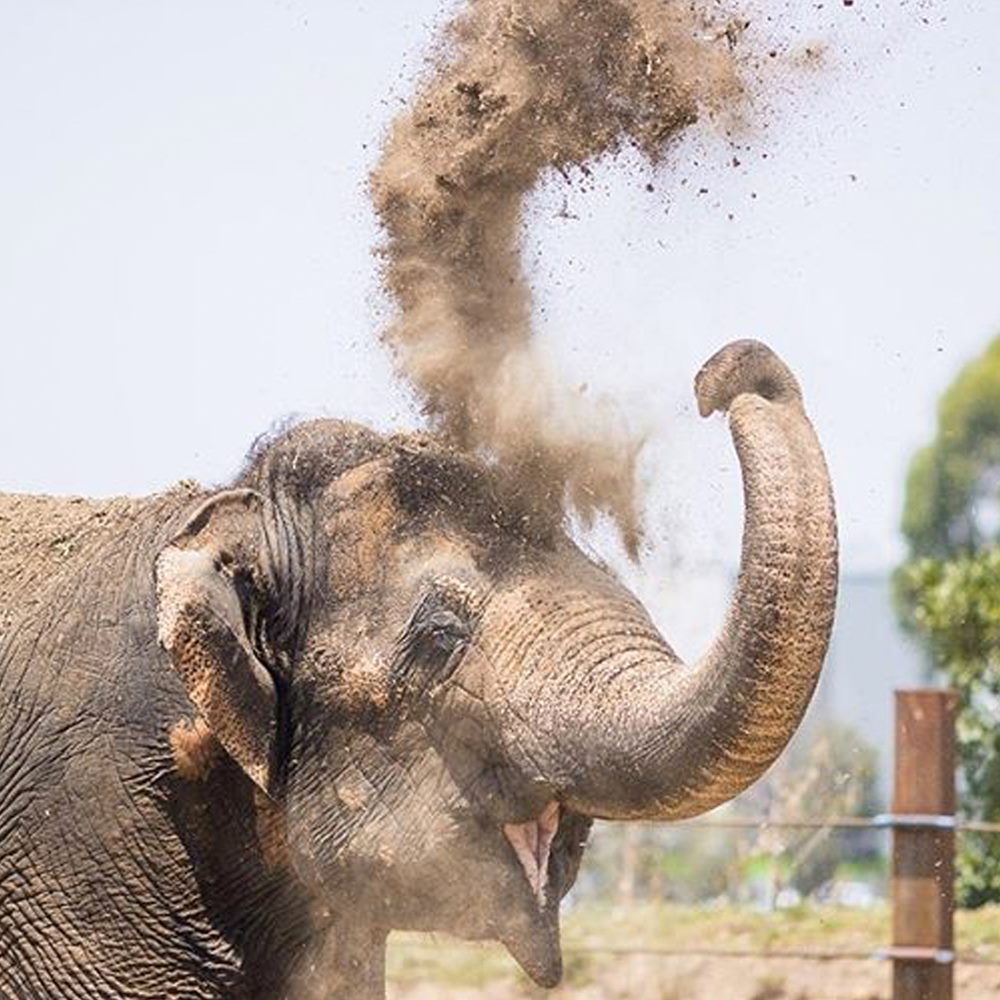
{"points": [[419, 959]]}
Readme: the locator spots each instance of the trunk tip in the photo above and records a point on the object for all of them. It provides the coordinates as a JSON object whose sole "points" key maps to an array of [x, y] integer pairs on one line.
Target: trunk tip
{"points": [[740, 367]]}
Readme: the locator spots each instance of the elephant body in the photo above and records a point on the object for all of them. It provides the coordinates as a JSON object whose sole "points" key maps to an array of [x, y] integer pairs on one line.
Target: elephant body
{"points": [[118, 877], [246, 733]]}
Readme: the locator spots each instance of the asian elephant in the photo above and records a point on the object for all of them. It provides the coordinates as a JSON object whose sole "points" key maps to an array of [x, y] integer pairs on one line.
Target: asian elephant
{"points": [[244, 733]]}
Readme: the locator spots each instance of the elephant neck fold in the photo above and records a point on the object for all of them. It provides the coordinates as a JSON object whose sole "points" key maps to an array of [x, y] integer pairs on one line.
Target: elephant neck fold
{"points": [[344, 961]]}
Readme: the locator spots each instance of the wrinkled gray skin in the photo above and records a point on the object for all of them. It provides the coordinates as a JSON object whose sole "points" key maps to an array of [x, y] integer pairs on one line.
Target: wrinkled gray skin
{"points": [[399, 665]]}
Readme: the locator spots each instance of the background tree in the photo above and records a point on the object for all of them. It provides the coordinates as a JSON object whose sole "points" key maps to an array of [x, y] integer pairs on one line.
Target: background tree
{"points": [[948, 591], [830, 771]]}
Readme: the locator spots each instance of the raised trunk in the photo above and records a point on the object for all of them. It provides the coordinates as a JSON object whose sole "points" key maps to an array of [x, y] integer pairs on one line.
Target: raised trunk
{"points": [[664, 741], [745, 698]]}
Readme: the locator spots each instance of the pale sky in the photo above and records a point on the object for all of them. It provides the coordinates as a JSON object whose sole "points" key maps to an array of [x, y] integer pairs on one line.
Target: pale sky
{"points": [[185, 245]]}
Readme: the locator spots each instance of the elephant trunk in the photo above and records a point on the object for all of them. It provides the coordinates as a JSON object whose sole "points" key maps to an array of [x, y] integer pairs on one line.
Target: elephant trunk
{"points": [[651, 738]]}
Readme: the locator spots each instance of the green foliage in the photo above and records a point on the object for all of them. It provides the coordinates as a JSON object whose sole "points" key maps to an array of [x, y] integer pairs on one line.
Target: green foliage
{"points": [[948, 479], [948, 593]]}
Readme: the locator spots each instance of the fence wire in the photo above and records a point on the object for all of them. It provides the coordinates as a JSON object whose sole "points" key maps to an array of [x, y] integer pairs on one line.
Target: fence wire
{"points": [[810, 954], [884, 821]]}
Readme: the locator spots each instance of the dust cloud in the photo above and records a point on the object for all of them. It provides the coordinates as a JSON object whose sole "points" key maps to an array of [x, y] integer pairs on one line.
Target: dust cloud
{"points": [[518, 89]]}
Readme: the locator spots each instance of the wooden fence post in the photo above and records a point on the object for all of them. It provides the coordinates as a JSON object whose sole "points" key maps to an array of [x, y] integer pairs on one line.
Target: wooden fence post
{"points": [[923, 862]]}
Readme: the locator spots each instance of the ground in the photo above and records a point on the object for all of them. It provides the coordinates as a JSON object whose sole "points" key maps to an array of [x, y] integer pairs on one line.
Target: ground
{"points": [[629, 966]]}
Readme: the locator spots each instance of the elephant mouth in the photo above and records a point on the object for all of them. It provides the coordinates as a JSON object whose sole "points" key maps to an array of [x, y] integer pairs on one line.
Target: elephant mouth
{"points": [[548, 850], [533, 940], [532, 845]]}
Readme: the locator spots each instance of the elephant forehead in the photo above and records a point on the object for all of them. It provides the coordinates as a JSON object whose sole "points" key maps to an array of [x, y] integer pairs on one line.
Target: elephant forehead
{"points": [[359, 531], [433, 556], [376, 549], [554, 583]]}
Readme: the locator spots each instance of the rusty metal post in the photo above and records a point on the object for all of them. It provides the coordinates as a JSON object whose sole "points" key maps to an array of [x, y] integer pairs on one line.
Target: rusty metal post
{"points": [[923, 862]]}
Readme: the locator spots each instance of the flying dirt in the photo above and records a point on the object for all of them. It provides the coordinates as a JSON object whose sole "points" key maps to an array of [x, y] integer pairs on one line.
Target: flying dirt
{"points": [[518, 90]]}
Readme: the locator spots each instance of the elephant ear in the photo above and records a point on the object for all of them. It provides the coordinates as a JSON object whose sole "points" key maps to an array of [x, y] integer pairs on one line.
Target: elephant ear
{"points": [[210, 588]]}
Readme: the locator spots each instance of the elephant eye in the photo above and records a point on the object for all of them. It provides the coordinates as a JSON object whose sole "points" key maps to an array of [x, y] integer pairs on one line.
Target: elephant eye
{"points": [[433, 639], [439, 622], [445, 629]]}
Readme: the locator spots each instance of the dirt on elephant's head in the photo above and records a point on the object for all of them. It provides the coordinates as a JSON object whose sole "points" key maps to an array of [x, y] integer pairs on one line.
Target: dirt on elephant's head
{"points": [[41, 536], [37, 535], [519, 89]]}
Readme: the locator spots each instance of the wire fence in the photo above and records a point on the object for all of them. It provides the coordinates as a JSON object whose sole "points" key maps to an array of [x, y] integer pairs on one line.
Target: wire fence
{"points": [[880, 822], [809, 954]]}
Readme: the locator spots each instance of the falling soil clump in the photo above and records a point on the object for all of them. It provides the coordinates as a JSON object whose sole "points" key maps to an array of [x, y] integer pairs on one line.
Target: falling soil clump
{"points": [[517, 90]]}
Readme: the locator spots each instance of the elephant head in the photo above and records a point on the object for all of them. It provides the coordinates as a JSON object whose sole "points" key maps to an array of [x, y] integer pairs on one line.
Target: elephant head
{"points": [[439, 691]]}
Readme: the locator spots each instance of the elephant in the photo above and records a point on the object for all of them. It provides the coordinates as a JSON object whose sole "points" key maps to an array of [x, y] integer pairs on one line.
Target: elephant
{"points": [[369, 685]]}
